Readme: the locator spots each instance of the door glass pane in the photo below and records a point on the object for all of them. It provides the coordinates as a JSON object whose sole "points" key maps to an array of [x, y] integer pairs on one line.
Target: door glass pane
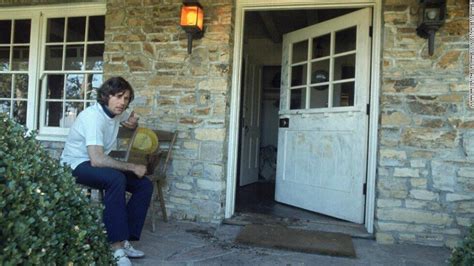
{"points": [[320, 71], [54, 112], [55, 87], [19, 112], [344, 67], [300, 52], [55, 31], [74, 57], [20, 58], [5, 31], [74, 86], [319, 96], [93, 84], [4, 58], [21, 86], [343, 94], [5, 86], [297, 98], [54, 55], [5, 107], [322, 46], [298, 75], [76, 29], [94, 58], [96, 28], [22, 31], [72, 110], [346, 40]]}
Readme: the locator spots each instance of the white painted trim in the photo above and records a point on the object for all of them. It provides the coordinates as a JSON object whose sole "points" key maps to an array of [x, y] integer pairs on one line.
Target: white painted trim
{"points": [[250, 5]]}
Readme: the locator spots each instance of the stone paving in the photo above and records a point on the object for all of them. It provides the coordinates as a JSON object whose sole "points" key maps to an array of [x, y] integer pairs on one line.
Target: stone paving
{"points": [[188, 243]]}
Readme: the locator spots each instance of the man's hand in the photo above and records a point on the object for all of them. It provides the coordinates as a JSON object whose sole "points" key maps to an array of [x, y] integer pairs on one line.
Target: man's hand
{"points": [[132, 121], [139, 170]]}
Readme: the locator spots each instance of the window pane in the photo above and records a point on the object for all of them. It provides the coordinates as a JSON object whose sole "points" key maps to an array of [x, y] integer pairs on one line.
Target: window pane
{"points": [[343, 94], [320, 71], [55, 87], [344, 67], [54, 112], [297, 98], [319, 97], [22, 31], [21, 86], [72, 110], [54, 55], [19, 112], [55, 30], [74, 86], [5, 107], [5, 86], [298, 75], [346, 40], [4, 58], [20, 58], [96, 28], [5, 31], [94, 58], [322, 46], [76, 29], [300, 51], [74, 57], [93, 84]]}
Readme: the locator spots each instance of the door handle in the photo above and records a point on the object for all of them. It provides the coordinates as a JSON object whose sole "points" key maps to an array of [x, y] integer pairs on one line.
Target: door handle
{"points": [[284, 122]]}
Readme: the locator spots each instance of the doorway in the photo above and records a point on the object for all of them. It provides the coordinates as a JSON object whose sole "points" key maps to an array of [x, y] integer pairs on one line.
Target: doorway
{"points": [[260, 117]]}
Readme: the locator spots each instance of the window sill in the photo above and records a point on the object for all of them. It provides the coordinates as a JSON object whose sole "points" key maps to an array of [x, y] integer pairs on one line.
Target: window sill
{"points": [[44, 137]]}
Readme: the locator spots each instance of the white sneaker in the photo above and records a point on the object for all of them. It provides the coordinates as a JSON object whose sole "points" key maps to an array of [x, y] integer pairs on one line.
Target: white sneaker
{"points": [[121, 257], [131, 252]]}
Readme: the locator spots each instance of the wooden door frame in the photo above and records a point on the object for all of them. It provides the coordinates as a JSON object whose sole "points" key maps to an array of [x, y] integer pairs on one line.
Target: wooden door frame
{"points": [[254, 5]]}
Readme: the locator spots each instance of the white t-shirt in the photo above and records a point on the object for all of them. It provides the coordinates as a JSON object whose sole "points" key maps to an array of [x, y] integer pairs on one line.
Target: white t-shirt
{"points": [[92, 127]]}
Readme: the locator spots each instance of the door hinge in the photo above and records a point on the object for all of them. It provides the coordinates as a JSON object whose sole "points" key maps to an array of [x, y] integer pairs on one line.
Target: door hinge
{"points": [[371, 29], [364, 189], [368, 109]]}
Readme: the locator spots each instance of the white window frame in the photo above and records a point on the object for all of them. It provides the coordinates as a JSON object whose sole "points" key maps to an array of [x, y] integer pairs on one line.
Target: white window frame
{"points": [[39, 14]]}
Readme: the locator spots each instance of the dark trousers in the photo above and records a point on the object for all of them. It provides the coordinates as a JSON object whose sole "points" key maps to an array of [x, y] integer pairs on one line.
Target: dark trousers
{"points": [[123, 221]]}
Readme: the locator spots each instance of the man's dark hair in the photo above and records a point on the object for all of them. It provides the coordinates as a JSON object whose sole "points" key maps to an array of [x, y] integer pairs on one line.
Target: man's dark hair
{"points": [[111, 87]]}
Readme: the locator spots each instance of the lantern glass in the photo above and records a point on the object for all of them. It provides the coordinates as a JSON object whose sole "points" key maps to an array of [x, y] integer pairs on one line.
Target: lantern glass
{"points": [[192, 16], [431, 14]]}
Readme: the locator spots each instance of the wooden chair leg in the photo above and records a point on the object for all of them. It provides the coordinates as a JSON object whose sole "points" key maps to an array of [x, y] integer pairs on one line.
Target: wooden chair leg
{"points": [[153, 208], [162, 200]]}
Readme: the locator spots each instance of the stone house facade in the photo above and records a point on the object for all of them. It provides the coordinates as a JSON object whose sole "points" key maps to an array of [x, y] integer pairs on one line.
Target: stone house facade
{"points": [[424, 179]]}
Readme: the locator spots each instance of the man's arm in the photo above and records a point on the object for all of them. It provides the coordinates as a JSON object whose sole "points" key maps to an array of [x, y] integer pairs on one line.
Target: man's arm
{"points": [[99, 159]]}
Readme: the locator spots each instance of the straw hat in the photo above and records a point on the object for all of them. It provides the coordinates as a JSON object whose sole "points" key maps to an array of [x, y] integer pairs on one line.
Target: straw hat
{"points": [[145, 140]]}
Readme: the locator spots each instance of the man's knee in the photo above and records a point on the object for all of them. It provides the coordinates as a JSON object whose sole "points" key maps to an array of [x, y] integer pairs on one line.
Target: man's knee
{"points": [[116, 179]]}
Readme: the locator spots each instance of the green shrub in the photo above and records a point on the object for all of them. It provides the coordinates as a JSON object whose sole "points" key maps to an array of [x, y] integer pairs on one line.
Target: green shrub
{"points": [[45, 218], [464, 255]]}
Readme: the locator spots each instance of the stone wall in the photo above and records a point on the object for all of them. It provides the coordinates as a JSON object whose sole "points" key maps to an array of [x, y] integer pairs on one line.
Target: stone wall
{"points": [[178, 91], [425, 187]]}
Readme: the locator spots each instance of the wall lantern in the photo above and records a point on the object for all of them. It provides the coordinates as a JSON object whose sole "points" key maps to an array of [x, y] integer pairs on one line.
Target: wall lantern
{"points": [[192, 16], [431, 16]]}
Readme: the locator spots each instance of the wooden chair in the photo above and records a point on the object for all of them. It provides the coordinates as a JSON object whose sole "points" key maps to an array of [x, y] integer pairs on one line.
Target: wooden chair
{"points": [[157, 166]]}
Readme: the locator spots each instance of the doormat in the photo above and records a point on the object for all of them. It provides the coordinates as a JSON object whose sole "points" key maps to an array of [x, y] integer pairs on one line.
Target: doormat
{"points": [[333, 244]]}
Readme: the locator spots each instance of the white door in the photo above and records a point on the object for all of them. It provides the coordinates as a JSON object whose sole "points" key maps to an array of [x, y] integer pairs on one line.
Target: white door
{"points": [[322, 139], [250, 123]]}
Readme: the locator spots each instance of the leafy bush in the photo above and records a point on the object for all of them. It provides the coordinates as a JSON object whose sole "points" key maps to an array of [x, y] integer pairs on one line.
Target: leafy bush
{"points": [[45, 219], [464, 255]]}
